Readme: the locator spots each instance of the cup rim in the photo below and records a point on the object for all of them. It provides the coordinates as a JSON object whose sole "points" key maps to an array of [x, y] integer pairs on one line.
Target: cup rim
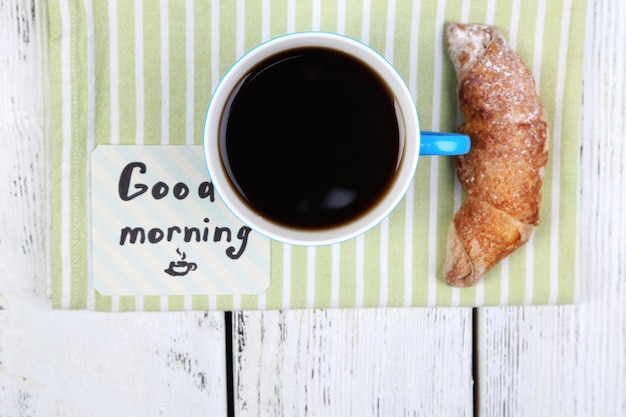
{"points": [[334, 234]]}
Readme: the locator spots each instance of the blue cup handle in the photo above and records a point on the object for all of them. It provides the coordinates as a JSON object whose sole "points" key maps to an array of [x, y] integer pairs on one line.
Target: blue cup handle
{"points": [[437, 143]]}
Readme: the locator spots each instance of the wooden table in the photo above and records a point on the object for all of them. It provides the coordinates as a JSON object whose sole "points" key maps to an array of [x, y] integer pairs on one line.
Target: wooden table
{"points": [[517, 361]]}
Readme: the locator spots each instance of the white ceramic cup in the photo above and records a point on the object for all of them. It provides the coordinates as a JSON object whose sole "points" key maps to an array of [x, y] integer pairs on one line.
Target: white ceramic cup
{"points": [[414, 142]]}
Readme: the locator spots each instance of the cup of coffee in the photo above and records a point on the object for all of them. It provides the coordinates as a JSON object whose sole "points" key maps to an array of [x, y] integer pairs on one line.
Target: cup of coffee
{"points": [[313, 138]]}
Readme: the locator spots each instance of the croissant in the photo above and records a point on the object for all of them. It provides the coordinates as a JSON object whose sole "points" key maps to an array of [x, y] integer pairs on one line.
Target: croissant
{"points": [[503, 172]]}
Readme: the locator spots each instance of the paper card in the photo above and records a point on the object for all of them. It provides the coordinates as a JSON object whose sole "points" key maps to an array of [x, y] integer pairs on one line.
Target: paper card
{"points": [[159, 228]]}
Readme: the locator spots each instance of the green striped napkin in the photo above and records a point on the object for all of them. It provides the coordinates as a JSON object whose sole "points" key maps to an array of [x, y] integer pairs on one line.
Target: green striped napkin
{"points": [[142, 72]]}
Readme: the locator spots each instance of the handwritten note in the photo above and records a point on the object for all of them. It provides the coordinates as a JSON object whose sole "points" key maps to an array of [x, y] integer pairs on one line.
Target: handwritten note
{"points": [[159, 228]]}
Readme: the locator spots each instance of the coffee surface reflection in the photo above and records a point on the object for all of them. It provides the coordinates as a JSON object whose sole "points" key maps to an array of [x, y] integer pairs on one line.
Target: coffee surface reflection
{"points": [[310, 138]]}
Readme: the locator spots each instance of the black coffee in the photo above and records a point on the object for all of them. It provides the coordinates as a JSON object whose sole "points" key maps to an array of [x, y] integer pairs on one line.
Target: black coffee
{"points": [[311, 138]]}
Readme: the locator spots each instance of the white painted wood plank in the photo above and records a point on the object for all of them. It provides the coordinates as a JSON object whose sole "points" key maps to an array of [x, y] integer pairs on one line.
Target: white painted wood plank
{"points": [[367, 362], [59, 363], [571, 360], [78, 363]]}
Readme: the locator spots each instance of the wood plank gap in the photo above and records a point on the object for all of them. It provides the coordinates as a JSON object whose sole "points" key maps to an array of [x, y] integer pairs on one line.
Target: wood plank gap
{"points": [[475, 364], [230, 370]]}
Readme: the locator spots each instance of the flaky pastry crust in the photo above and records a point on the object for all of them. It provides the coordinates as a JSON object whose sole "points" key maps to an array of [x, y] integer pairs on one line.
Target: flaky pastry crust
{"points": [[503, 172]]}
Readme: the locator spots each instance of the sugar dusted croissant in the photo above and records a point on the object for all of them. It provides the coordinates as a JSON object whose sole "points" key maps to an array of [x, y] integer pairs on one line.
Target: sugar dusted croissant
{"points": [[503, 172]]}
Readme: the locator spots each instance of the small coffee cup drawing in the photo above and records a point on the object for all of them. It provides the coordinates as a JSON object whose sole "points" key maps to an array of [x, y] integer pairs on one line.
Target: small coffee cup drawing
{"points": [[180, 268], [313, 138]]}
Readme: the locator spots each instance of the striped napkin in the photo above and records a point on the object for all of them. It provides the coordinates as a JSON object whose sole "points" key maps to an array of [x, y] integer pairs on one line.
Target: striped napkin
{"points": [[142, 72]]}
